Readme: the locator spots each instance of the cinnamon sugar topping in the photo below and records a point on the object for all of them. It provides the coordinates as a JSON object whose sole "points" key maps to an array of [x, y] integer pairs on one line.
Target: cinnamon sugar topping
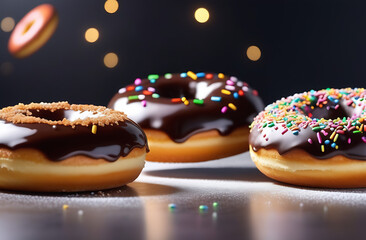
{"points": [[62, 113]]}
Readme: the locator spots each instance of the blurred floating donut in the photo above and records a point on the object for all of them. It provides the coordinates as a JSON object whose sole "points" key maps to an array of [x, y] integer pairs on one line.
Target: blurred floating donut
{"points": [[33, 31]]}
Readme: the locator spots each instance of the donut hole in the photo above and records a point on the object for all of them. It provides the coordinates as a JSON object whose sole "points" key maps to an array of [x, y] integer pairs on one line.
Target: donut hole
{"points": [[176, 91], [60, 114], [28, 26], [330, 111], [57, 115]]}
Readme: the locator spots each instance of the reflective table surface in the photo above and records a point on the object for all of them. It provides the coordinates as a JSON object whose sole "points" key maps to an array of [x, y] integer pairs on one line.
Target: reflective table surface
{"points": [[249, 206]]}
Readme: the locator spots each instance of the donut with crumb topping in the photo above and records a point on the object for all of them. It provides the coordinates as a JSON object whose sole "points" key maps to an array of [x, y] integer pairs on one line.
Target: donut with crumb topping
{"points": [[54, 147]]}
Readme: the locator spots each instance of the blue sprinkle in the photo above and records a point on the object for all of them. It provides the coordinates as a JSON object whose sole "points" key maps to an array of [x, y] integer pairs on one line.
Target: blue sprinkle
{"points": [[200, 74], [152, 80], [236, 95], [215, 98], [295, 132], [327, 142], [138, 88], [333, 145], [172, 206], [183, 75], [336, 101]]}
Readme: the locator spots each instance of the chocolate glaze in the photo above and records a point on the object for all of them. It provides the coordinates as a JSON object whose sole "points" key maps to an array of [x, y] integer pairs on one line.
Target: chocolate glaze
{"points": [[179, 121], [349, 144], [58, 142]]}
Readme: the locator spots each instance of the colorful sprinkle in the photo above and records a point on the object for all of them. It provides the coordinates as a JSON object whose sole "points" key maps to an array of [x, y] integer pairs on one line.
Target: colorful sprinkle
{"points": [[209, 76], [143, 102], [192, 75], [215, 98], [137, 81], [226, 92], [155, 95], [231, 88], [224, 109], [200, 74], [168, 75], [221, 75], [122, 90], [153, 76], [151, 89], [232, 106], [176, 100], [94, 129], [198, 101], [172, 206], [138, 88], [183, 75], [203, 207], [133, 97]]}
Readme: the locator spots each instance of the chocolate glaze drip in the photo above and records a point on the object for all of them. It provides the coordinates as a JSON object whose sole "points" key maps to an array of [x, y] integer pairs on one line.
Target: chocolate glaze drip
{"points": [[180, 121], [349, 143], [58, 142]]}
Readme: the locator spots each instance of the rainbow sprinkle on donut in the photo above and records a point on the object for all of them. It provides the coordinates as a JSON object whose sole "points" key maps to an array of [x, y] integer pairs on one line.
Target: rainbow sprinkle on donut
{"points": [[324, 123]]}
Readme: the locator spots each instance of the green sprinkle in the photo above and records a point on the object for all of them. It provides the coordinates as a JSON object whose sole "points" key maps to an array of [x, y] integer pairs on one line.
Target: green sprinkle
{"points": [[215, 204], [168, 75], [155, 95], [289, 124], [172, 206], [203, 207], [264, 125], [133, 97], [153, 76], [198, 101], [271, 124], [316, 129], [356, 131]]}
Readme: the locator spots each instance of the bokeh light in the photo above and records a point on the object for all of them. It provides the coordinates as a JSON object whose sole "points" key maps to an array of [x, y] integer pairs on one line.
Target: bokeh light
{"points": [[202, 15], [254, 53], [91, 35], [110, 60], [111, 6], [7, 24]]}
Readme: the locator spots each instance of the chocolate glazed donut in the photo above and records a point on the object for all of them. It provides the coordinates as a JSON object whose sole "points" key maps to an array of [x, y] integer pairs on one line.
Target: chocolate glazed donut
{"points": [[61, 147], [177, 110], [315, 138]]}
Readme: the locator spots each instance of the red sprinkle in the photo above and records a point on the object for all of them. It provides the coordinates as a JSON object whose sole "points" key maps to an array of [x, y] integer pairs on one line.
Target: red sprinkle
{"points": [[241, 92], [176, 100], [255, 92], [130, 88], [209, 76], [145, 92]]}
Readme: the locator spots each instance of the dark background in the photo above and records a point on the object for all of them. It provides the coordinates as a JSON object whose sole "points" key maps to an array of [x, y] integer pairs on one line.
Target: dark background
{"points": [[305, 45]]}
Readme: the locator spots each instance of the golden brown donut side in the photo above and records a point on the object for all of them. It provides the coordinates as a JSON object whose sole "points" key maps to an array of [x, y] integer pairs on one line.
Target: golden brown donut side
{"points": [[200, 147], [300, 168], [30, 170]]}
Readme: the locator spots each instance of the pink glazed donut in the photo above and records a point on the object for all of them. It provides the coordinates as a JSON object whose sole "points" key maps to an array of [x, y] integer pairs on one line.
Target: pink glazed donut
{"points": [[33, 31]]}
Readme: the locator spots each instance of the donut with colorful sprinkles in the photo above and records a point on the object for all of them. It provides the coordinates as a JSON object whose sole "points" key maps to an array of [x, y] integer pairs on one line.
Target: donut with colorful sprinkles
{"points": [[315, 138], [191, 117]]}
